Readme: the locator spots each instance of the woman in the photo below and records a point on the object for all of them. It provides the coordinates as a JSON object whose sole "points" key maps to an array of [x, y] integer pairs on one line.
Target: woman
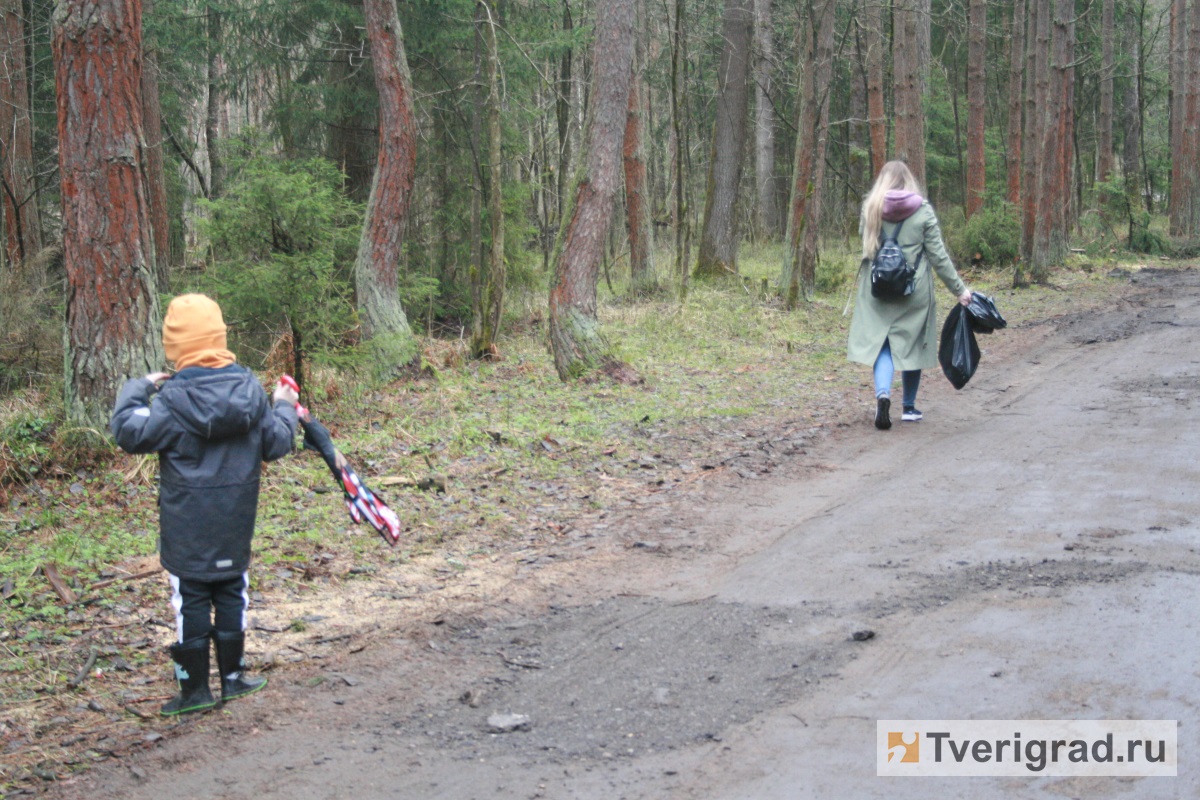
{"points": [[891, 334]]}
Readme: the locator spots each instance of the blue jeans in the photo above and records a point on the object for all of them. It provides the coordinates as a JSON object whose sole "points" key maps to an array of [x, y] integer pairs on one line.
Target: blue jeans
{"points": [[885, 370]]}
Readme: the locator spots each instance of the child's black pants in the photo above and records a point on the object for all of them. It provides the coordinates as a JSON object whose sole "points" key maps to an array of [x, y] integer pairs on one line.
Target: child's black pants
{"points": [[201, 606]]}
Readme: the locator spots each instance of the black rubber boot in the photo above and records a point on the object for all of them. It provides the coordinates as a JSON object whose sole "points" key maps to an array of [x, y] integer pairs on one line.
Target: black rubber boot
{"points": [[231, 646], [191, 670]]}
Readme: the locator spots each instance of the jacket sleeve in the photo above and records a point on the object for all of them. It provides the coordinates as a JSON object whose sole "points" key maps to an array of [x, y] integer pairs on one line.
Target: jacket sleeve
{"points": [[138, 425], [939, 259], [279, 431]]}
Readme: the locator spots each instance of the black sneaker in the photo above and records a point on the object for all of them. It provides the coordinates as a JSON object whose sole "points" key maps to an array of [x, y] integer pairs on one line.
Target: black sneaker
{"points": [[883, 407], [911, 414]]}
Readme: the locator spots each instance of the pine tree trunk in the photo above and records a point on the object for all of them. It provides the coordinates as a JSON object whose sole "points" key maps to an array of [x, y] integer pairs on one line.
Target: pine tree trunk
{"points": [[1104, 123], [680, 140], [642, 277], [719, 234], [212, 116], [352, 136], [802, 160], [875, 100], [379, 250], [1016, 78], [478, 112], [924, 22], [22, 224], [906, 66], [1072, 171], [799, 274], [1054, 200], [156, 176], [767, 215], [1035, 101], [1131, 108], [579, 347], [855, 134], [489, 292], [113, 329], [1179, 91], [1190, 211], [1041, 258], [809, 249], [563, 116], [976, 93]]}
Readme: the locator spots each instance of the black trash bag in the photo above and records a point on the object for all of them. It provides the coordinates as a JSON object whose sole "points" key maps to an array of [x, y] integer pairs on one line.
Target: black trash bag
{"points": [[985, 317], [959, 352]]}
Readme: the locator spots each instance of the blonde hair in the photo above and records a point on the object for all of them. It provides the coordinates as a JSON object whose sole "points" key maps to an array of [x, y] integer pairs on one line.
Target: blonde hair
{"points": [[894, 176]]}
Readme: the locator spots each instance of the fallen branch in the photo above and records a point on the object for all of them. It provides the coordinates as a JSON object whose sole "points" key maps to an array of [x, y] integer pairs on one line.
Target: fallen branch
{"points": [[689, 479], [433, 483], [137, 577], [512, 663], [81, 676], [60, 587], [335, 638]]}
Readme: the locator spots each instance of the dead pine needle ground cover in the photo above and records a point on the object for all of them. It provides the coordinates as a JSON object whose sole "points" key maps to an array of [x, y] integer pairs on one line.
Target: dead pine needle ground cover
{"points": [[488, 464]]}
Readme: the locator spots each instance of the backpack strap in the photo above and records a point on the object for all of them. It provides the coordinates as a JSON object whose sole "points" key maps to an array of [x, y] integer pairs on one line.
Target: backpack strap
{"points": [[895, 233]]}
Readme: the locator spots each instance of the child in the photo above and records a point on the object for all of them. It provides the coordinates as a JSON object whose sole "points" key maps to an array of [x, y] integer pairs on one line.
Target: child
{"points": [[212, 427]]}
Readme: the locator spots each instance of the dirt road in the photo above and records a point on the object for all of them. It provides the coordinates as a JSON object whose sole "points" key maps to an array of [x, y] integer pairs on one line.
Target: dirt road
{"points": [[1028, 551]]}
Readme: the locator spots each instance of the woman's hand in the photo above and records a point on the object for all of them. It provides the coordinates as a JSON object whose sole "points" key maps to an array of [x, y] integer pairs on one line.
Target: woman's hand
{"points": [[965, 297]]}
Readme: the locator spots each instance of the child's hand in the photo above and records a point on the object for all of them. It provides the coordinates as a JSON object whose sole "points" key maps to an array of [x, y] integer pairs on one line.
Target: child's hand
{"points": [[285, 392], [157, 377]]}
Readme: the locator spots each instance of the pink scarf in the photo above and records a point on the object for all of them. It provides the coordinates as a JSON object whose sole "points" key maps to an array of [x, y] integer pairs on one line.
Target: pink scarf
{"points": [[898, 205]]}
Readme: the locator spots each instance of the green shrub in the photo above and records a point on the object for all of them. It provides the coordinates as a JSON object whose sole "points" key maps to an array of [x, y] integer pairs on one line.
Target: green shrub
{"points": [[25, 442], [992, 236], [282, 243], [835, 269], [1144, 240]]}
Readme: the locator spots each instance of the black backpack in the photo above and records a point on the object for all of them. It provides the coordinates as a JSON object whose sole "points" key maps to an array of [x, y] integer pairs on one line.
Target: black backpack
{"points": [[891, 276]]}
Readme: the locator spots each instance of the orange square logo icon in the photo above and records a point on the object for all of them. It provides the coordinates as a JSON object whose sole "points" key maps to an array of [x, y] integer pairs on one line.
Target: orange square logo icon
{"points": [[903, 748]]}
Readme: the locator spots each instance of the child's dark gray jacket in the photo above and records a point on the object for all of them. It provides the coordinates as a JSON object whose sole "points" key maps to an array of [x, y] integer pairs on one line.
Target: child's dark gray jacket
{"points": [[212, 429]]}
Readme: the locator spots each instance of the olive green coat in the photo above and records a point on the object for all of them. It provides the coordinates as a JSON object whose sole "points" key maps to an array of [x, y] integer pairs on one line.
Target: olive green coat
{"points": [[909, 323]]}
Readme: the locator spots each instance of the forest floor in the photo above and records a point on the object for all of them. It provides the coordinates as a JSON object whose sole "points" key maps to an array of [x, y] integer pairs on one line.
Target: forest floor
{"points": [[668, 594]]}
